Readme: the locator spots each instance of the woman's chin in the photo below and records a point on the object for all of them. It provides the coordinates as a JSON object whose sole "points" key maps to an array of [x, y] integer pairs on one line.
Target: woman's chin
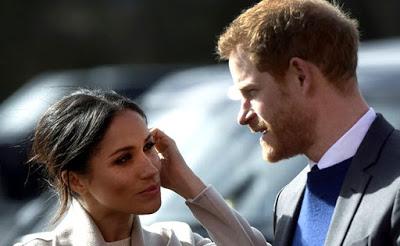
{"points": [[151, 208]]}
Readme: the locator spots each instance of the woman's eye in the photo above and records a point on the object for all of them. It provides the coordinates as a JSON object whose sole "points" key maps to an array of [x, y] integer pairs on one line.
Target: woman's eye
{"points": [[148, 146], [124, 158]]}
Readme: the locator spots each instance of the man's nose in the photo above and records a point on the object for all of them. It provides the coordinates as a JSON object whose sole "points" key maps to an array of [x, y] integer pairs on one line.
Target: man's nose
{"points": [[245, 114]]}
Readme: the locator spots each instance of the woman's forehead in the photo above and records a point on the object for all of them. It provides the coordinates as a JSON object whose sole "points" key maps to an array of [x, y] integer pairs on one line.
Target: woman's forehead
{"points": [[126, 128]]}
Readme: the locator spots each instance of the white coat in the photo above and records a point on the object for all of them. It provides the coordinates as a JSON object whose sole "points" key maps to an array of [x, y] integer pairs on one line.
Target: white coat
{"points": [[224, 225]]}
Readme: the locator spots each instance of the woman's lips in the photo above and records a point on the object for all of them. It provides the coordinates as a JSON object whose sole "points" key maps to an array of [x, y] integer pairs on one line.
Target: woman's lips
{"points": [[151, 190]]}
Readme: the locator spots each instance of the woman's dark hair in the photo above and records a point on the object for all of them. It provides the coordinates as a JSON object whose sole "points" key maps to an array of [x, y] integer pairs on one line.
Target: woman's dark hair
{"points": [[70, 130]]}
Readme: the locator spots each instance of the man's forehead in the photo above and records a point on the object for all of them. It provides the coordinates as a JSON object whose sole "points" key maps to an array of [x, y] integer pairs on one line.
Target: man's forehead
{"points": [[243, 71], [240, 58], [240, 65]]}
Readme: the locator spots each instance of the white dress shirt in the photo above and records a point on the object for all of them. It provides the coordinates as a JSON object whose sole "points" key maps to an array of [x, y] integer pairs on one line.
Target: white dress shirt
{"points": [[347, 145]]}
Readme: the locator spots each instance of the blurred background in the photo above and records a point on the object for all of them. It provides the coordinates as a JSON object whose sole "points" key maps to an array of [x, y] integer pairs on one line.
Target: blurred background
{"points": [[161, 54], [43, 35]]}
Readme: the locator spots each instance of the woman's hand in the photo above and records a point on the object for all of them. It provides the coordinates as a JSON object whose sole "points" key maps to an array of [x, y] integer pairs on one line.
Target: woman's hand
{"points": [[175, 174]]}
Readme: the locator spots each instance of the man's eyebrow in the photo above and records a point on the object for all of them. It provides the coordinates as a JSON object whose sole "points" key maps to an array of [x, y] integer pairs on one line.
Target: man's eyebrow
{"points": [[245, 86]]}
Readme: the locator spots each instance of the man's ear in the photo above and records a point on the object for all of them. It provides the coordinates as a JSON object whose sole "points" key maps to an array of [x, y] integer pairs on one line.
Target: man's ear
{"points": [[74, 181], [302, 74]]}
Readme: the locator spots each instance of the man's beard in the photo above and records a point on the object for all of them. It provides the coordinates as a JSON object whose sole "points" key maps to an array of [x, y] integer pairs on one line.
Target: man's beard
{"points": [[292, 132]]}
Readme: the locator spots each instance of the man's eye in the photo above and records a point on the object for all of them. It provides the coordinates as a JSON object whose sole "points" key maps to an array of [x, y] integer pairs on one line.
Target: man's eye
{"points": [[148, 146], [252, 92], [249, 93], [124, 158]]}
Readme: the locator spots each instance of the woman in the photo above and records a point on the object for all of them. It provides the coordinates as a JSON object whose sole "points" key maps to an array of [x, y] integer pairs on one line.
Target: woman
{"points": [[107, 168]]}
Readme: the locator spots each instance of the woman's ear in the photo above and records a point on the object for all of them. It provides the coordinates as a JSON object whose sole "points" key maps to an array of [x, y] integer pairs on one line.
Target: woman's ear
{"points": [[74, 181]]}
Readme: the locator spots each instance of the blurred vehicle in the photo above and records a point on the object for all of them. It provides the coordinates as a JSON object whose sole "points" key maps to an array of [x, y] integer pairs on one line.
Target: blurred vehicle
{"points": [[196, 107]]}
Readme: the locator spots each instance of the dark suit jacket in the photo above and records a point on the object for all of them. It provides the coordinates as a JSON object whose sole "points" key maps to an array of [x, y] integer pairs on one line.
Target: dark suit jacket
{"points": [[367, 211]]}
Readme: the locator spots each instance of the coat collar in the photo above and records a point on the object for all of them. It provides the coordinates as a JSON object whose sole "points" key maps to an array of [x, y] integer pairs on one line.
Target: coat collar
{"points": [[78, 228]]}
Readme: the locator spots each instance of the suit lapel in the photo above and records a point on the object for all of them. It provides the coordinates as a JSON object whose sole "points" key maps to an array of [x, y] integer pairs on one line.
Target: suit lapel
{"points": [[289, 205], [357, 179], [346, 206]]}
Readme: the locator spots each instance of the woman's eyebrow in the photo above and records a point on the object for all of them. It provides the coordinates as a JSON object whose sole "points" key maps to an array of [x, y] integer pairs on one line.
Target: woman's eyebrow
{"points": [[125, 148], [122, 149]]}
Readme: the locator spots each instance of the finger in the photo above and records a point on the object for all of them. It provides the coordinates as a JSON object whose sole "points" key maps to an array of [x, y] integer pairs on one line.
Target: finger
{"points": [[161, 140], [154, 132], [159, 134], [161, 137]]}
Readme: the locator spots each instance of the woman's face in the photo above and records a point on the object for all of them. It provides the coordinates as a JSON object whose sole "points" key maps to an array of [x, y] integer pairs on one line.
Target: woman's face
{"points": [[124, 170]]}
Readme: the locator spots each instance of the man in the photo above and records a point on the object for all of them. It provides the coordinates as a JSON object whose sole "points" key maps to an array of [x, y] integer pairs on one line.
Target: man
{"points": [[294, 63]]}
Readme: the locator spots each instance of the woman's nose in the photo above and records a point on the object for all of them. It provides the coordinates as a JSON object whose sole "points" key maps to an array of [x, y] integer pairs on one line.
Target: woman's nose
{"points": [[150, 167]]}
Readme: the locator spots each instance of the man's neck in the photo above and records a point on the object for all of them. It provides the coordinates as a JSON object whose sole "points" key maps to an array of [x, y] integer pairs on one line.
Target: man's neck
{"points": [[336, 117]]}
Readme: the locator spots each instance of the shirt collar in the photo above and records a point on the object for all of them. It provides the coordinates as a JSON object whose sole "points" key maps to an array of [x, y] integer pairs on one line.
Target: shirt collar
{"points": [[347, 145]]}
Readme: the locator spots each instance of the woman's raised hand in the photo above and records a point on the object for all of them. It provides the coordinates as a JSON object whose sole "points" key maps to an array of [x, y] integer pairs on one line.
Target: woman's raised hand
{"points": [[175, 174]]}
